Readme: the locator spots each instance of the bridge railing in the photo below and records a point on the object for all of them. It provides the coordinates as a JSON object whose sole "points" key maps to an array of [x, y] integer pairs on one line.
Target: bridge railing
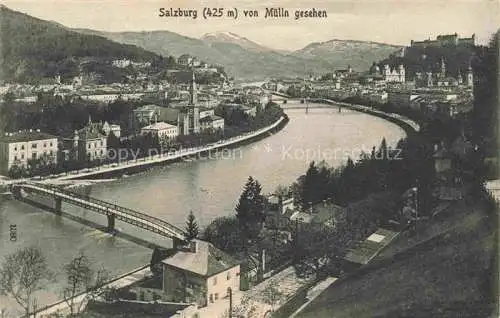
{"points": [[106, 204]]}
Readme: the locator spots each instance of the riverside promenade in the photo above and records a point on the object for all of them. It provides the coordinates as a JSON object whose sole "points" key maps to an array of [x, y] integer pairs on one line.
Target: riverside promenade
{"points": [[151, 160]]}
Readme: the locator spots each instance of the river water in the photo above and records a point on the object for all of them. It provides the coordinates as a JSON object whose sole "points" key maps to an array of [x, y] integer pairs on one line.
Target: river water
{"points": [[209, 186]]}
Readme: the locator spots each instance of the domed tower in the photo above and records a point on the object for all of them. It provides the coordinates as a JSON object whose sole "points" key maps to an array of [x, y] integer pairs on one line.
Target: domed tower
{"points": [[402, 73], [470, 78], [429, 79]]}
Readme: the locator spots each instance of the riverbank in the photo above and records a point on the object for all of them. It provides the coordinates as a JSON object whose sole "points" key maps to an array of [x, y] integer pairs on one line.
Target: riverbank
{"points": [[408, 125], [114, 170]]}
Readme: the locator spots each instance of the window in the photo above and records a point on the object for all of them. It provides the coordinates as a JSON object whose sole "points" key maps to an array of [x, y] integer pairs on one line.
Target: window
{"points": [[44, 145], [51, 143], [88, 146], [33, 145], [51, 152], [22, 147], [228, 275], [15, 148], [211, 298], [216, 296], [22, 156], [215, 280], [15, 158], [33, 155]]}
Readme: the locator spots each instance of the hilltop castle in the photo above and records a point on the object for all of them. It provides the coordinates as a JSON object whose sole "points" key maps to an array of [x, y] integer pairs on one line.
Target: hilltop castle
{"points": [[445, 40]]}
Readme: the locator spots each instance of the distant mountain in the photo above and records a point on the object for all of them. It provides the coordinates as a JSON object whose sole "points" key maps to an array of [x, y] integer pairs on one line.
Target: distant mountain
{"points": [[33, 49], [359, 54], [245, 59], [228, 37]]}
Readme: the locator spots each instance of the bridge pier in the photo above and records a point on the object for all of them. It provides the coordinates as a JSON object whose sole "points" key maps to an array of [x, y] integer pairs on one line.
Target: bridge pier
{"points": [[57, 205], [111, 223]]}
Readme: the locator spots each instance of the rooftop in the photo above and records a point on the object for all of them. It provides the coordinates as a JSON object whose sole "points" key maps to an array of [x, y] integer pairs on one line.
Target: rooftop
{"points": [[367, 249], [159, 126], [24, 136], [210, 118], [205, 260]]}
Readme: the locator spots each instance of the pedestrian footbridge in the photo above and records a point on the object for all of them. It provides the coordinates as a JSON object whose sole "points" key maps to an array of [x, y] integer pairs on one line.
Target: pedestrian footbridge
{"points": [[111, 210]]}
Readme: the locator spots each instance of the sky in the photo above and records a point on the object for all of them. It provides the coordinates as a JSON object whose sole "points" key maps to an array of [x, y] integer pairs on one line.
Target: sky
{"points": [[387, 21]]}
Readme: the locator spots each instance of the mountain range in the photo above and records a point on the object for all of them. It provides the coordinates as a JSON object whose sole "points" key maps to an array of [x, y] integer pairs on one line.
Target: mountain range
{"points": [[245, 59], [242, 58]]}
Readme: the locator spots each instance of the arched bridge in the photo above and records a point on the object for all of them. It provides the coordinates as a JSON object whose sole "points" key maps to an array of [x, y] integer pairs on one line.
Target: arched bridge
{"points": [[112, 211]]}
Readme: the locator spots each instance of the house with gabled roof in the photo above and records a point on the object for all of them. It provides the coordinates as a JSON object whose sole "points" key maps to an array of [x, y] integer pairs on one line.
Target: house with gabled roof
{"points": [[200, 273]]}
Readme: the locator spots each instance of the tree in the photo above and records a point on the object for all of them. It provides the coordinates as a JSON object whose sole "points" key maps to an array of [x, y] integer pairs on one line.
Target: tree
{"points": [[272, 296], [250, 210], [192, 229], [223, 234], [313, 246], [22, 274], [81, 277]]}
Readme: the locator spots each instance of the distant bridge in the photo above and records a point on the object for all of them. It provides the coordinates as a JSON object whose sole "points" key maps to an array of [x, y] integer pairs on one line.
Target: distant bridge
{"points": [[112, 211]]}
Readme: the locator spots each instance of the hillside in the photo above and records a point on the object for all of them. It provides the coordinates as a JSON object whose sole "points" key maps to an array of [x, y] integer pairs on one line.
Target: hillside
{"points": [[32, 49], [359, 54], [447, 268]]}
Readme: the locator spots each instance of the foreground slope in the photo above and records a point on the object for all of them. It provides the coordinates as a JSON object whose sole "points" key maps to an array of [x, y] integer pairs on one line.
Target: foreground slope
{"points": [[446, 269]]}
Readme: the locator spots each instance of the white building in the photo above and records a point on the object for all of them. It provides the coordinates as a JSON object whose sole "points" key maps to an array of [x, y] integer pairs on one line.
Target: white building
{"points": [[200, 273], [18, 148], [394, 75], [112, 128], [162, 130]]}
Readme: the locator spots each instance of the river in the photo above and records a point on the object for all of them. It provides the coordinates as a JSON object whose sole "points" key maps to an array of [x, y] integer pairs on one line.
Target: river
{"points": [[208, 186]]}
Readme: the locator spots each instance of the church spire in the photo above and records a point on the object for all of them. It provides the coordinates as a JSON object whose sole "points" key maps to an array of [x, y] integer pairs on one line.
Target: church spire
{"points": [[193, 99]]}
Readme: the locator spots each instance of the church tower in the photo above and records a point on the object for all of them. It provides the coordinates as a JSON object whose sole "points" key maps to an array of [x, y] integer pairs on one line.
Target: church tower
{"points": [[429, 79], [402, 74], [443, 68], [470, 78], [192, 91], [193, 109]]}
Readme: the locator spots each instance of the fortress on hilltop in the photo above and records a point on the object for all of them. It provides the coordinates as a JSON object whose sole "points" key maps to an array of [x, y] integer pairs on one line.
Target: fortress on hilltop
{"points": [[445, 40]]}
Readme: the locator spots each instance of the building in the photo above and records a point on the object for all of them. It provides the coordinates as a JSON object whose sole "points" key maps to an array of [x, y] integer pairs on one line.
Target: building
{"points": [[111, 128], [18, 148], [121, 63], [205, 112], [396, 74], [89, 143], [212, 122], [144, 116], [401, 98], [199, 273], [162, 130], [185, 59], [444, 41], [189, 117]]}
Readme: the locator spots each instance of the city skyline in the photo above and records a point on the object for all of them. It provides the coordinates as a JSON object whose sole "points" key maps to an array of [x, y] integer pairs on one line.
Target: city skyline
{"points": [[383, 21]]}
